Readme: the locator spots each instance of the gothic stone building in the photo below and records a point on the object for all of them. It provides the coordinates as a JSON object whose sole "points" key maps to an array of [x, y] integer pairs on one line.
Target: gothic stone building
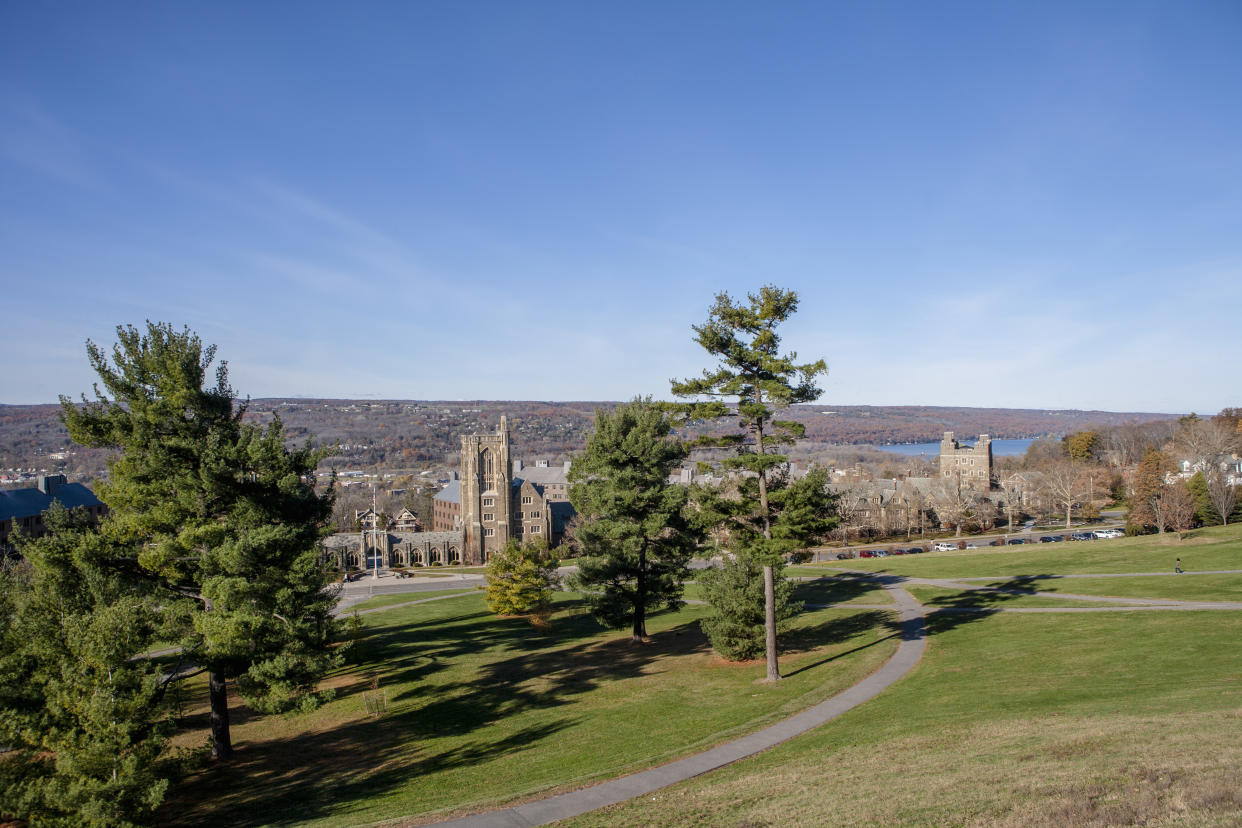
{"points": [[971, 465], [494, 499], [499, 498]]}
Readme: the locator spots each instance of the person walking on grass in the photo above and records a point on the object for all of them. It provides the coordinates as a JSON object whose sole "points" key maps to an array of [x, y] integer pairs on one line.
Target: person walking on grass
{"points": [[1177, 567]]}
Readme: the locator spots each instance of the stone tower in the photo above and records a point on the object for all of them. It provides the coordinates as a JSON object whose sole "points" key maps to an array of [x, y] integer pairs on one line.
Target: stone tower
{"points": [[972, 465], [485, 497]]}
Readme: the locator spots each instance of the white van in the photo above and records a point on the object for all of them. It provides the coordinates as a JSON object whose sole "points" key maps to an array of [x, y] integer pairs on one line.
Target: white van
{"points": [[1108, 534], [945, 547]]}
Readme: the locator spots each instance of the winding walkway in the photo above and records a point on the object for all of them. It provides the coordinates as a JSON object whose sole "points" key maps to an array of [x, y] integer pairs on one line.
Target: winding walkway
{"points": [[909, 651], [563, 806]]}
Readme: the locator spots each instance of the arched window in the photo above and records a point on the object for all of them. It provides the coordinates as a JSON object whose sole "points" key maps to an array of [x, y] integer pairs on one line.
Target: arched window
{"points": [[435, 556], [486, 470], [417, 558]]}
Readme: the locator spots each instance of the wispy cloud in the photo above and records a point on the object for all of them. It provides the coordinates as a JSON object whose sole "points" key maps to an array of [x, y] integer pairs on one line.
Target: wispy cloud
{"points": [[34, 140]]}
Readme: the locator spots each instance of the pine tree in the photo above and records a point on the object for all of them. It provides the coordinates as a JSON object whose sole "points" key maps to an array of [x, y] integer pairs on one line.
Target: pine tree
{"points": [[226, 518], [82, 720], [521, 579], [735, 590], [634, 531], [759, 380]]}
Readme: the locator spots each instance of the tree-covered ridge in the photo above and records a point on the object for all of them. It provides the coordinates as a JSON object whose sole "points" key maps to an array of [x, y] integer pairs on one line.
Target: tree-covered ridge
{"points": [[395, 434]]}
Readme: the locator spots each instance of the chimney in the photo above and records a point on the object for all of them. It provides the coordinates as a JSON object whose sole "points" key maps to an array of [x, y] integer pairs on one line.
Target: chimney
{"points": [[50, 484]]}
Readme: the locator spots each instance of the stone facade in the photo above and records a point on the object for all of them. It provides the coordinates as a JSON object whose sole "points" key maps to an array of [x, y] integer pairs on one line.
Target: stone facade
{"points": [[358, 550], [486, 504], [969, 465], [492, 500]]}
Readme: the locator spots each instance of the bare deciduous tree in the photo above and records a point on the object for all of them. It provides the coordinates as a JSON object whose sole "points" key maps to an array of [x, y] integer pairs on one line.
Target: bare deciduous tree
{"points": [[1177, 507], [1066, 483], [1222, 493]]}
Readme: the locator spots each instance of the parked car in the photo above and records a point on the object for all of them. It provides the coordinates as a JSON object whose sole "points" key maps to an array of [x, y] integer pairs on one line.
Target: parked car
{"points": [[896, 551], [1082, 536], [972, 545], [844, 556], [1058, 538], [1109, 533], [1016, 541], [945, 547], [866, 553], [915, 550], [1046, 539]]}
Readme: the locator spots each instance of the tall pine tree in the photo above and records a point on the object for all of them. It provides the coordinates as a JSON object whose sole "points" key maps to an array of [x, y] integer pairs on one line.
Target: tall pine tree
{"points": [[225, 518], [635, 534], [752, 381], [82, 719]]}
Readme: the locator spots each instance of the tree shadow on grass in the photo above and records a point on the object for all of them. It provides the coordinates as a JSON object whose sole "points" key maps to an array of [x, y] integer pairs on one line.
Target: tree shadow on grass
{"points": [[834, 589], [318, 774], [838, 630], [947, 612], [546, 679], [314, 775]]}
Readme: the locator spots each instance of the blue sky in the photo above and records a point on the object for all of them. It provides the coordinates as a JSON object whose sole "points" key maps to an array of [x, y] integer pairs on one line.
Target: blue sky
{"points": [[537, 200]]}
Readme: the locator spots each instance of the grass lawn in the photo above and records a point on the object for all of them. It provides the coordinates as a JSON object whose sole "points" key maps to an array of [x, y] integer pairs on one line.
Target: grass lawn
{"points": [[1217, 547], [1089, 719], [407, 597], [934, 597], [1175, 587], [482, 710]]}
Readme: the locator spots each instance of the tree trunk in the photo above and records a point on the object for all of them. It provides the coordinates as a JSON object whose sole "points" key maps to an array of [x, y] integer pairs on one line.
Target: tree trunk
{"points": [[769, 577], [769, 622], [1069, 510], [640, 606], [221, 743]]}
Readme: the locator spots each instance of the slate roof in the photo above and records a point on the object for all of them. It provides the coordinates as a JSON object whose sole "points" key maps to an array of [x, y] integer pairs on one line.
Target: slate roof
{"points": [[450, 493], [543, 475], [21, 503]]}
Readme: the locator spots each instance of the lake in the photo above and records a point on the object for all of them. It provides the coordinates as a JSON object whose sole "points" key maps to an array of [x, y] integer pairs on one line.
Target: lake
{"points": [[1000, 448]]}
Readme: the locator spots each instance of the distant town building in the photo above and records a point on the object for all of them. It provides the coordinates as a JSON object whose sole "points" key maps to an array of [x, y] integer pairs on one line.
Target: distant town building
{"points": [[23, 508], [969, 465]]}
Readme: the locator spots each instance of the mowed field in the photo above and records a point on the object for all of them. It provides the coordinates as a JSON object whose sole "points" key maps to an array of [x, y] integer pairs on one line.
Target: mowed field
{"points": [[1011, 718], [1103, 718], [481, 710]]}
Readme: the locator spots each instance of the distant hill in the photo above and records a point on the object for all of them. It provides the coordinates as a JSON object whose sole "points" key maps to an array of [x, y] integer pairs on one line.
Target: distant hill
{"points": [[399, 434]]}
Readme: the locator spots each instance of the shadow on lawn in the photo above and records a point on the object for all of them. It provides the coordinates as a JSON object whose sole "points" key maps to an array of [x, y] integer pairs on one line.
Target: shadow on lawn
{"points": [[948, 612], [313, 775], [834, 589]]}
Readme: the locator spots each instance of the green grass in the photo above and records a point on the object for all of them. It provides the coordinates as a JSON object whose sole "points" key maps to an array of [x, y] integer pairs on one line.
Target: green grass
{"points": [[406, 597], [935, 597], [482, 710], [1100, 719], [833, 588], [1218, 547], [1174, 587]]}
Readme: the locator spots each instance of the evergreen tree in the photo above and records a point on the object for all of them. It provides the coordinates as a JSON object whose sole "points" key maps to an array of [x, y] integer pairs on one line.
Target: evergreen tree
{"points": [[521, 579], [82, 720], [759, 380], [1205, 512], [225, 518], [634, 531], [735, 590], [799, 510]]}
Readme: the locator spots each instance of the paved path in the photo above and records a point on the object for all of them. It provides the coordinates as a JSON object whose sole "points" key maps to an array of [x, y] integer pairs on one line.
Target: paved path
{"points": [[563, 806], [909, 651]]}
